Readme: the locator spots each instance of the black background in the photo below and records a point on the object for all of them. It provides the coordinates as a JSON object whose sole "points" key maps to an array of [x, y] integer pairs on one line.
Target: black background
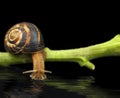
{"points": [[67, 26]]}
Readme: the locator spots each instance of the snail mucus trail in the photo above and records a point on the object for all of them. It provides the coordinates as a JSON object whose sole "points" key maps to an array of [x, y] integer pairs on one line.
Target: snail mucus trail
{"points": [[26, 38]]}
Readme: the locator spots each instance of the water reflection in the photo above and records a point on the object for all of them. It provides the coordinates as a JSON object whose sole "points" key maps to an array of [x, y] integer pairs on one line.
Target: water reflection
{"points": [[33, 90], [15, 85]]}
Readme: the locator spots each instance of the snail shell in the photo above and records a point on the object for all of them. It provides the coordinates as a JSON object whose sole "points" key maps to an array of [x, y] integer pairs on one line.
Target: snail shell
{"points": [[23, 37]]}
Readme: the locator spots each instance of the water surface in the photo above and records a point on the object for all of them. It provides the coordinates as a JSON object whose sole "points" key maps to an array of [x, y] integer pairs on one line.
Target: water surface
{"points": [[13, 84]]}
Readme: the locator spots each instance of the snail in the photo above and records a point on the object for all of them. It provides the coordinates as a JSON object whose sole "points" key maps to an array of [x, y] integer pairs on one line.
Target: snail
{"points": [[26, 38]]}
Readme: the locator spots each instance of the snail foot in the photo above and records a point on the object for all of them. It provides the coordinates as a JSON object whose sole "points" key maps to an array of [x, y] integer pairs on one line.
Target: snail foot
{"points": [[37, 75]]}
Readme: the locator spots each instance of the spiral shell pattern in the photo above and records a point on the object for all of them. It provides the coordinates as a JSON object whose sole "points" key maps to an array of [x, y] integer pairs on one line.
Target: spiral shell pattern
{"points": [[23, 37]]}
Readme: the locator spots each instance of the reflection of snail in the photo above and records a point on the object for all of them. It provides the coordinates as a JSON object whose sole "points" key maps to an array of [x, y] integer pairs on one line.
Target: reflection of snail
{"points": [[26, 38]]}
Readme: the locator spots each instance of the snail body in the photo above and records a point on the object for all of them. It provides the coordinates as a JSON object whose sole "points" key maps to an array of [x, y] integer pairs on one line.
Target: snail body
{"points": [[26, 38]]}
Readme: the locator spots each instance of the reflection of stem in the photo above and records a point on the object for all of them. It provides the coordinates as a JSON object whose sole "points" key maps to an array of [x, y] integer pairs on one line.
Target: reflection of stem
{"points": [[82, 86], [72, 85], [81, 55]]}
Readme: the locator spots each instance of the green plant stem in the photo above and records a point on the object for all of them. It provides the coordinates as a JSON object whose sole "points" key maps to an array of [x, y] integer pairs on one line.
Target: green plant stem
{"points": [[80, 55]]}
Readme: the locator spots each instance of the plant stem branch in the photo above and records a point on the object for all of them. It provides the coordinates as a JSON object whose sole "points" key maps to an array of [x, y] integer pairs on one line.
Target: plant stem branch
{"points": [[80, 55]]}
